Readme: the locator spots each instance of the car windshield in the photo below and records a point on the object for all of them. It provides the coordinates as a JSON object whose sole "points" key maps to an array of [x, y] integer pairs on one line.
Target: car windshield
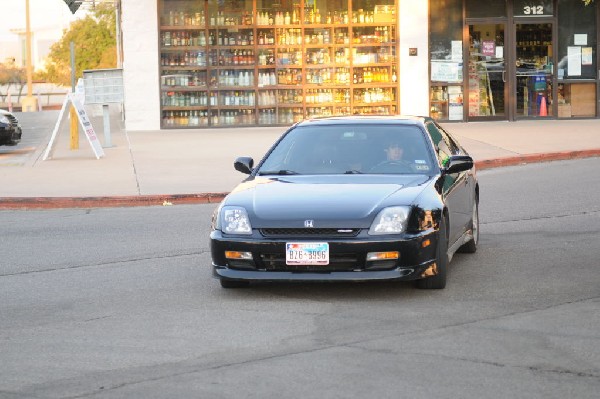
{"points": [[350, 149]]}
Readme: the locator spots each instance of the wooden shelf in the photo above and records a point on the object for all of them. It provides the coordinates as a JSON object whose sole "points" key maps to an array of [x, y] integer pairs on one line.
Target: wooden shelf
{"points": [[324, 38]]}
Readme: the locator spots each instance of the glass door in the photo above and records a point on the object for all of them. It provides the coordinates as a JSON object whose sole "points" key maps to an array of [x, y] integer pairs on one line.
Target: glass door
{"points": [[487, 72], [534, 70]]}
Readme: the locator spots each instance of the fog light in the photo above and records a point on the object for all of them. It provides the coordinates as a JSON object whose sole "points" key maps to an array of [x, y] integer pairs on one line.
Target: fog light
{"points": [[373, 256], [238, 255]]}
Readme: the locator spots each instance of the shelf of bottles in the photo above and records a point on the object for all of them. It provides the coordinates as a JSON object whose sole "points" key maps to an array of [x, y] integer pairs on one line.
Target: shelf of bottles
{"points": [[241, 64]]}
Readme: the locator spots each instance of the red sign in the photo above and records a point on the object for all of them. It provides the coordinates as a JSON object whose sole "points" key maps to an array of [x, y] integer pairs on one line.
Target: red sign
{"points": [[488, 47]]}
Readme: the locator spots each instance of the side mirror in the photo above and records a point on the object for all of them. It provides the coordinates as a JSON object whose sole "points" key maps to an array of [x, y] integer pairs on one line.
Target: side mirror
{"points": [[458, 163], [244, 165]]}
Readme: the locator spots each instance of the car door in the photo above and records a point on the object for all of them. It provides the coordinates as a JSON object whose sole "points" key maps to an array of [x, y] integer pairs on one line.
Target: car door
{"points": [[456, 188]]}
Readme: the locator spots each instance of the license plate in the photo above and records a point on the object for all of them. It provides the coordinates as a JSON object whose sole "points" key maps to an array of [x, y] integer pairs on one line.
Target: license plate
{"points": [[307, 253]]}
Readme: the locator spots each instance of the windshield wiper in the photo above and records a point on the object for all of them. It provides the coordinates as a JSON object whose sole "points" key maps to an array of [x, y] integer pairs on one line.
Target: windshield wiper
{"points": [[281, 172], [353, 172]]}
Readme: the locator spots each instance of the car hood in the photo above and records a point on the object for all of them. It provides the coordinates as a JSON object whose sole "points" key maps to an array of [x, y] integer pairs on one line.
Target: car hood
{"points": [[328, 200]]}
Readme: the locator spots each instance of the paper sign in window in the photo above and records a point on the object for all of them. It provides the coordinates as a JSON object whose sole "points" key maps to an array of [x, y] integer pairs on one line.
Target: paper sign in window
{"points": [[574, 56], [580, 39], [586, 56]]}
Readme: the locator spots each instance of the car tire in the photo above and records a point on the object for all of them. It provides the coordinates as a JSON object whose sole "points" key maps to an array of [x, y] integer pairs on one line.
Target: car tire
{"points": [[233, 283], [471, 246], [438, 281]]}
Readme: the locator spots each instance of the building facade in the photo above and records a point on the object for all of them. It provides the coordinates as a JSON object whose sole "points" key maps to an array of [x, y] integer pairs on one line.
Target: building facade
{"points": [[219, 63]]}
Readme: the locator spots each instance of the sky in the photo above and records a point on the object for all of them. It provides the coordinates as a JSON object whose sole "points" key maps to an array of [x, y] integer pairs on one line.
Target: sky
{"points": [[47, 17]]}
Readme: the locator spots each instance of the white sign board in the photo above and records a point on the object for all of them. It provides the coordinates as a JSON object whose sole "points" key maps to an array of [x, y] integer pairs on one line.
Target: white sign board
{"points": [[103, 86], [85, 123], [446, 71]]}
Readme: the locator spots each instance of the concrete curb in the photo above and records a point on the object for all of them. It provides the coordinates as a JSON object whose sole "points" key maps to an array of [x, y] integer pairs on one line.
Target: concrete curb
{"points": [[536, 158], [26, 203]]}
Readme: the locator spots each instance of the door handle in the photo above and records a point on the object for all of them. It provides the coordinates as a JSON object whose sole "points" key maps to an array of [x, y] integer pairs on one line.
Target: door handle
{"points": [[504, 76]]}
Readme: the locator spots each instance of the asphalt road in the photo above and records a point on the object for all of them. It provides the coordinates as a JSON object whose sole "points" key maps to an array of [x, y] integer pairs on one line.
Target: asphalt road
{"points": [[120, 303], [37, 128]]}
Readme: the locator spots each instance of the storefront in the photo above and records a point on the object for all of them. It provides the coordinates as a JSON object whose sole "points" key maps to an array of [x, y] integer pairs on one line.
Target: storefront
{"points": [[513, 59], [225, 63], [194, 63], [246, 62]]}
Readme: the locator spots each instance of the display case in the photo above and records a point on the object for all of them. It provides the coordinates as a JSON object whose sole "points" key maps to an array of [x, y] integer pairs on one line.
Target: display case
{"points": [[243, 63], [577, 99]]}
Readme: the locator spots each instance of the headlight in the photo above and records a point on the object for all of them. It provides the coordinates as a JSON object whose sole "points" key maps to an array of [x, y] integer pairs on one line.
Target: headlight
{"points": [[4, 119], [234, 220], [390, 220]]}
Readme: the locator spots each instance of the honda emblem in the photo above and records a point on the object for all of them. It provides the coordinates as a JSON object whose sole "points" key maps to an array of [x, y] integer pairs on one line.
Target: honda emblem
{"points": [[309, 223]]}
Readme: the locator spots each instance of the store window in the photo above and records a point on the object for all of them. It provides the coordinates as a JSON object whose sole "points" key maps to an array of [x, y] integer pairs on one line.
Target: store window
{"points": [[534, 69], [577, 59], [446, 56], [253, 62]]}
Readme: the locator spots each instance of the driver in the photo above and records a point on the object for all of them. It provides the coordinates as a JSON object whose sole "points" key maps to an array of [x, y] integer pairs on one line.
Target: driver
{"points": [[394, 151], [394, 161]]}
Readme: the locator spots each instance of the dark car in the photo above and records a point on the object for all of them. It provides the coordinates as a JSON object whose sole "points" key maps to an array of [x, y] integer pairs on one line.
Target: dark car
{"points": [[335, 199], [10, 129]]}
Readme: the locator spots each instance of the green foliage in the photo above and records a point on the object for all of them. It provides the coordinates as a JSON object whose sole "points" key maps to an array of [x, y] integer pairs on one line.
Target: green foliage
{"points": [[94, 39], [11, 75]]}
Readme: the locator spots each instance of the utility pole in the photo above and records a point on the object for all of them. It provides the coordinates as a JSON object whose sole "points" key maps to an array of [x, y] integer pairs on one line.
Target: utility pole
{"points": [[29, 103]]}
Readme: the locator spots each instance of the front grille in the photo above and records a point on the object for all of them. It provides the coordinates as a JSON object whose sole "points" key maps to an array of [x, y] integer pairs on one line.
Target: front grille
{"points": [[302, 232], [13, 120], [337, 262]]}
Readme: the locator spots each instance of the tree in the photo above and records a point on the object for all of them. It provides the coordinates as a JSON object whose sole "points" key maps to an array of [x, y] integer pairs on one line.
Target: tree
{"points": [[10, 75], [94, 39]]}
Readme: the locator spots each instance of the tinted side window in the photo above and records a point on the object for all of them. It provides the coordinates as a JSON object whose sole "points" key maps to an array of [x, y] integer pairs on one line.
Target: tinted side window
{"points": [[455, 148], [445, 147]]}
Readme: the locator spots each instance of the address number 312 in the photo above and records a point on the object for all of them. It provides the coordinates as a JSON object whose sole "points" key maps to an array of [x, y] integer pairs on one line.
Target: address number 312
{"points": [[533, 10]]}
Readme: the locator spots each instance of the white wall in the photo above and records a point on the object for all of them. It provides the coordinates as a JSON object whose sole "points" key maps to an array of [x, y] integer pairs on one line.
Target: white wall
{"points": [[140, 65], [414, 70]]}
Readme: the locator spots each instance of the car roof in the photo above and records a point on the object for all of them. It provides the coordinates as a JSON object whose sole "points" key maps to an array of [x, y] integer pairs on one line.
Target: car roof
{"points": [[366, 120]]}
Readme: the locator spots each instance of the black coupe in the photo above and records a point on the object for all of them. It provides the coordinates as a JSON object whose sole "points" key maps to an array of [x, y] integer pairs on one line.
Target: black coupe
{"points": [[349, 199], [10, 129]]}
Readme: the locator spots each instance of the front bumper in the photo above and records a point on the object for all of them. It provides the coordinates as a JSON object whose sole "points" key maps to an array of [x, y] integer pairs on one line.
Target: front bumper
{"points": [[400, 273], [347, 259], [10, 135]]}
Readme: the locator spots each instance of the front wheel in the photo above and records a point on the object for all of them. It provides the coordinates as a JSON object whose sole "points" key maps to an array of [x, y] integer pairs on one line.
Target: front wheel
{"points": [[438, 281]]}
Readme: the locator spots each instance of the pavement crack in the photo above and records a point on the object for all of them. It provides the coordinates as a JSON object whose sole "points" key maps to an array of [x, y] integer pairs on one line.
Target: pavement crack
{"points": [[354, 345], [112, 263], [135, 175], [533, 218], [199, 370], [538, 369], [17, 395]]}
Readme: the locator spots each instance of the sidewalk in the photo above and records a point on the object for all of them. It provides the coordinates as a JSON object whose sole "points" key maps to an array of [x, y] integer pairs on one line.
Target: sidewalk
{"points": [[193, 166]]}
